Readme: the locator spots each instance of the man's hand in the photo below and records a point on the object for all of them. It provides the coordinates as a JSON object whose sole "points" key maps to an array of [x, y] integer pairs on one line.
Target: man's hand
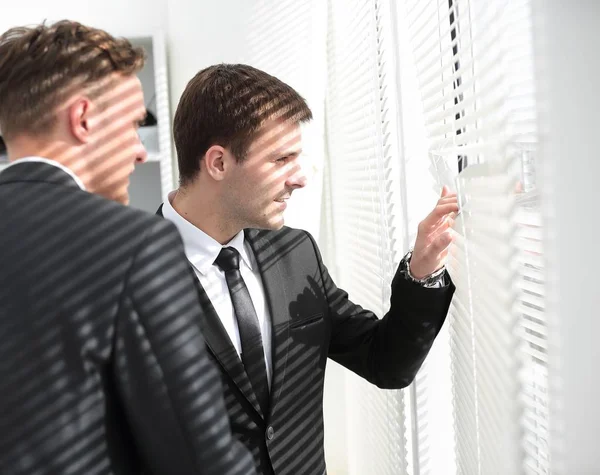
{"points": [[434, 236]]}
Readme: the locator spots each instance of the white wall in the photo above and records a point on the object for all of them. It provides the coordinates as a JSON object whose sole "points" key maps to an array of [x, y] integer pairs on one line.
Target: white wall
{"points": [[569, 67], [201, 33], [133, 17]]}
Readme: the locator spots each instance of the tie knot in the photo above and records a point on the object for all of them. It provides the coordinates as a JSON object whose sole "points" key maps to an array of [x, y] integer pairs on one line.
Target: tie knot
{"points": [[228, 259]]}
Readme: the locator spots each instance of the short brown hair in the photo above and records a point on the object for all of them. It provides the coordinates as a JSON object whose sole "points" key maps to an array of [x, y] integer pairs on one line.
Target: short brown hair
{"points": [[226, 105], [39, 65]]}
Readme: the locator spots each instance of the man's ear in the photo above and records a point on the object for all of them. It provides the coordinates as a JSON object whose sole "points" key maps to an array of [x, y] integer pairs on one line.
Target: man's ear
{"points": [[79, 119], [216, 161]]}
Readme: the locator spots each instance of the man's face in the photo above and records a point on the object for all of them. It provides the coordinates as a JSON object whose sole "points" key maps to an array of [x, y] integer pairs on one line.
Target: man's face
{"points": [[258, 187], [115, 145]]}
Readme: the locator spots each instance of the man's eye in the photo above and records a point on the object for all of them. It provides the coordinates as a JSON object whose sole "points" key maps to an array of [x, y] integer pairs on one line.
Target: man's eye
{"points": [[282, 159]]}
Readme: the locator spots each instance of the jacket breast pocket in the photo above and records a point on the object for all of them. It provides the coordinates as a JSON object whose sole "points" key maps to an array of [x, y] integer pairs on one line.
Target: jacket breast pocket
{"points": [[307, 355], [309, 334], [304, 322]]}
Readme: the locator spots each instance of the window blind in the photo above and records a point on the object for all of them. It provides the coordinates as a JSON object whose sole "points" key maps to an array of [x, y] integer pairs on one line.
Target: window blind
{"points": [[362, 154], [473, 62], [281, 32], [288, 40], [534, 333], [431, 401]]}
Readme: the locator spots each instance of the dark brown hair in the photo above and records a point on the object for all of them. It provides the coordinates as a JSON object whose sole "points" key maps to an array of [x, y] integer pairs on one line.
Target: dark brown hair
{"points": [[40, 66], [226, 105]]}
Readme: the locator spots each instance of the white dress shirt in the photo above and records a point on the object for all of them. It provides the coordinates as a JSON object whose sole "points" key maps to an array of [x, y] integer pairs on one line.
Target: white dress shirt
{"points": [[48, 162], [202, 251]]}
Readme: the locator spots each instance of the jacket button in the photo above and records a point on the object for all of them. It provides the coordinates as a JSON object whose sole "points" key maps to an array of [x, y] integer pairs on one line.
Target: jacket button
{"points": [[270, 433]]}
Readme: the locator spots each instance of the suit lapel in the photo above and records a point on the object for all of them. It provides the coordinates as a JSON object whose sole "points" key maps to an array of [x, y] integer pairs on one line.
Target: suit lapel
{"points": [[218, 342], [269, 262]]}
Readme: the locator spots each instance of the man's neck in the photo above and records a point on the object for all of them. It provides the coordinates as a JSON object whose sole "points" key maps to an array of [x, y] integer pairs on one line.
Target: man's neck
{"points": [[23, 147], [28, 146], [55, 150], [203, 211]]}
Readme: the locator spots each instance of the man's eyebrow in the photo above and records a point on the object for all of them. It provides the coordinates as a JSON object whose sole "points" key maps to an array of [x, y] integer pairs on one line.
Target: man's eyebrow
{"points": [[286, 153]]}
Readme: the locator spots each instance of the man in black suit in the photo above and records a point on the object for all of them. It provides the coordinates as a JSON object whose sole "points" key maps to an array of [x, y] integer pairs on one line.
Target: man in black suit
{"points": [[103, 367], [273, 315]]}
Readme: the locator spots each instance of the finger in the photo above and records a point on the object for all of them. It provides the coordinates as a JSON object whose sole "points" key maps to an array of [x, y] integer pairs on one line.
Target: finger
{"points": [[449, 198], [450, 219], [447, 201], [430, 224], [437, 216], [445, 191], [449, 222], [442, 210]]}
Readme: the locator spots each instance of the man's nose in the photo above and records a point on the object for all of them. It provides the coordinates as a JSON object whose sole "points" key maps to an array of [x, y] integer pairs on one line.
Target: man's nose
{"points": [[141, 155], [297, 178]]}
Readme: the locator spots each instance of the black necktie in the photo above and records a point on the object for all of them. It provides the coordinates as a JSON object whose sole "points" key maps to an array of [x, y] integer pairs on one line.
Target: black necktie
{"points": [[253, 355]]}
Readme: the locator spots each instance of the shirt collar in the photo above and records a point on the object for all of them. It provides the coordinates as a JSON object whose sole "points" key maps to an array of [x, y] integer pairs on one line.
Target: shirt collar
{"points": [[201, 249], [47, 161]]}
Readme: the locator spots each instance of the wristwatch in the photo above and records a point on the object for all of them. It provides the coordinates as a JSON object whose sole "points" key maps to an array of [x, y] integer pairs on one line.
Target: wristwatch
{"points": [[432, 280]]}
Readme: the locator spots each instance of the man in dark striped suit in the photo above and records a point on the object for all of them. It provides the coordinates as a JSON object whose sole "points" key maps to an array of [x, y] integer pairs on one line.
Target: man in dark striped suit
{"points": [[103, 367], [272, 314]]}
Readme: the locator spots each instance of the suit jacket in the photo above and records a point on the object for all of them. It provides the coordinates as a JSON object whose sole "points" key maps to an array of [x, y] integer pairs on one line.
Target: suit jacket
{"points": [[312, 320], [103, 368]]}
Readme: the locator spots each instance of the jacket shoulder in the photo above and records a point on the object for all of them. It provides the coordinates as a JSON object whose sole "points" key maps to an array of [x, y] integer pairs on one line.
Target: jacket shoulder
{"points": [[274, 235], [134, 218]]}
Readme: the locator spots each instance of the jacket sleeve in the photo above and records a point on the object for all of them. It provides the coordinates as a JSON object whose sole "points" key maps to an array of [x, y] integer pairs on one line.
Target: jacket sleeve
{"points": [[171, 393], [387, 352]]}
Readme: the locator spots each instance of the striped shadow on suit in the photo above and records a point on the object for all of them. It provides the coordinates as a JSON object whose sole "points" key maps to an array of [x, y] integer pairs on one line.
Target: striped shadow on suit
{"points": [[103, 368], [313, 320]]}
